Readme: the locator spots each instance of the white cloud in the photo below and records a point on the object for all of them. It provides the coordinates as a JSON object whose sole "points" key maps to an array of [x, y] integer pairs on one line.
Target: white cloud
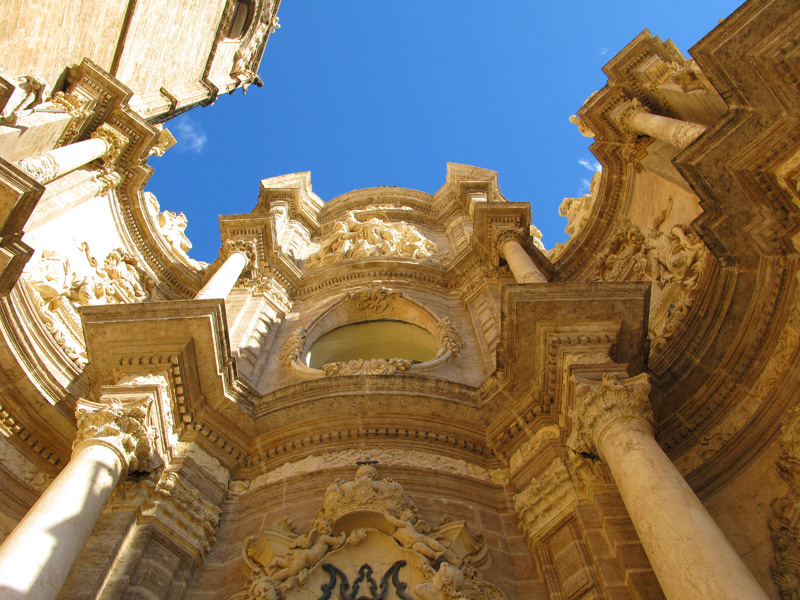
{"points": [[590, 164], [603, 51], [190, 135], [585, 183]]}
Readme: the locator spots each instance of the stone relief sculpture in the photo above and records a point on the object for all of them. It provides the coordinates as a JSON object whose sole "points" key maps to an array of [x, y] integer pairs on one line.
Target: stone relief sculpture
{"points": [[373, 523], [58, 287], [352, 238], [29, 92], [448, 336], [246, 55], [373, 297], [674, 260], [307, 551], [371, 366], [172, 227], [577, 211]]}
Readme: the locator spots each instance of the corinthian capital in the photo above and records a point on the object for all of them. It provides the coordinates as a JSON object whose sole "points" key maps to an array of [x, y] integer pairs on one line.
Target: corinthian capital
{"points": [[124, 428], [115, 141], [246, 247], [600, 404]]}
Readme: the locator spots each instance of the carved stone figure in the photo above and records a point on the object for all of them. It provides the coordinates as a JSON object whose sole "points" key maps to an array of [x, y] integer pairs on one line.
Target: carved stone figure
{"points": [[412, 535], [172, 227], [445, 585], [30, 91], [308, 551], [352, 238]]}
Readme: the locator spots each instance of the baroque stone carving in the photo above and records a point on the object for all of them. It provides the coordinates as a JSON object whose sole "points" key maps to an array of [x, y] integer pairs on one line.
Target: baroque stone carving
{"points": [[600, 404], [675, 261], [123, 427], [374, 297], [368, 366], [174, 505], [374, 518], [58, 287], [246, 247], [41, 167], [29, 92], [364, 586], [115, 142], [172, 228], [293, 349], [785, 521], [448, 337], [246, 55], [557, 490], [352, 238]]}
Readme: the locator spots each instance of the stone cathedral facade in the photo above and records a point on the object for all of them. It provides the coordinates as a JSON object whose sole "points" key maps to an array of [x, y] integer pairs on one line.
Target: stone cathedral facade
{"points": [[394, 394]]}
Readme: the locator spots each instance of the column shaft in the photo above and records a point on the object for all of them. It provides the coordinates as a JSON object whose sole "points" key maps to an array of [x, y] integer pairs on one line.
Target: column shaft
{"points": [[672, 131], [222, 282], [521, 265], [689, 554], [53, 164], [38, 555]]}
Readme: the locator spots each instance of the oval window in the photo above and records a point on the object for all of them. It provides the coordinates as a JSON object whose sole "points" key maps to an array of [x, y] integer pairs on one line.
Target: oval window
{"points": [[240, 19], [373, 339]]}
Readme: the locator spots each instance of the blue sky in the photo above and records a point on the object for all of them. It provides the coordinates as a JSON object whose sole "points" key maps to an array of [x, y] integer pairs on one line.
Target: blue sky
{"points": [[364, 93]]}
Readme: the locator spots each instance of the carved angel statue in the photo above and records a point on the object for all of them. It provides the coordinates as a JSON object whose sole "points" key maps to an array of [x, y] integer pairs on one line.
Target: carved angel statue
{"points": [[29, 92], [352, 238], [445, 585], [308, 551], [412, 536]]}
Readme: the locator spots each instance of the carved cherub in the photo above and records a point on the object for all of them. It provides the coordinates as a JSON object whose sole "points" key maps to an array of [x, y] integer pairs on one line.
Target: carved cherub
{"points": [[309, 551], [411, 535], [445, 585]]}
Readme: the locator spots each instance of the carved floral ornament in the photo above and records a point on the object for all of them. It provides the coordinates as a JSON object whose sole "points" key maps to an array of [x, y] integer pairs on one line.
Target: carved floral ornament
{"points": [[367, 541], [373, 237], [377, 300]]}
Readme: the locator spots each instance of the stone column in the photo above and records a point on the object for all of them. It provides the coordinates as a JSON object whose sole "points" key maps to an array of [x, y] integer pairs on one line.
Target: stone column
{"points": [[691, 557], [106, 143], [521, 265], [238, 255], [672, 131], [38, 555]]}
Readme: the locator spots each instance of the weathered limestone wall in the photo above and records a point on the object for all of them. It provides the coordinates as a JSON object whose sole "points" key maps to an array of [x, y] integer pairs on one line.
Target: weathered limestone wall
{"points": [[743, 511], [43, 38], [168, 46]]}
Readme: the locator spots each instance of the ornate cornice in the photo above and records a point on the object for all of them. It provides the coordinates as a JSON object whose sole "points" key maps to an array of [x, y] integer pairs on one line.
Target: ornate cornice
{"points": [[600, 404]]}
